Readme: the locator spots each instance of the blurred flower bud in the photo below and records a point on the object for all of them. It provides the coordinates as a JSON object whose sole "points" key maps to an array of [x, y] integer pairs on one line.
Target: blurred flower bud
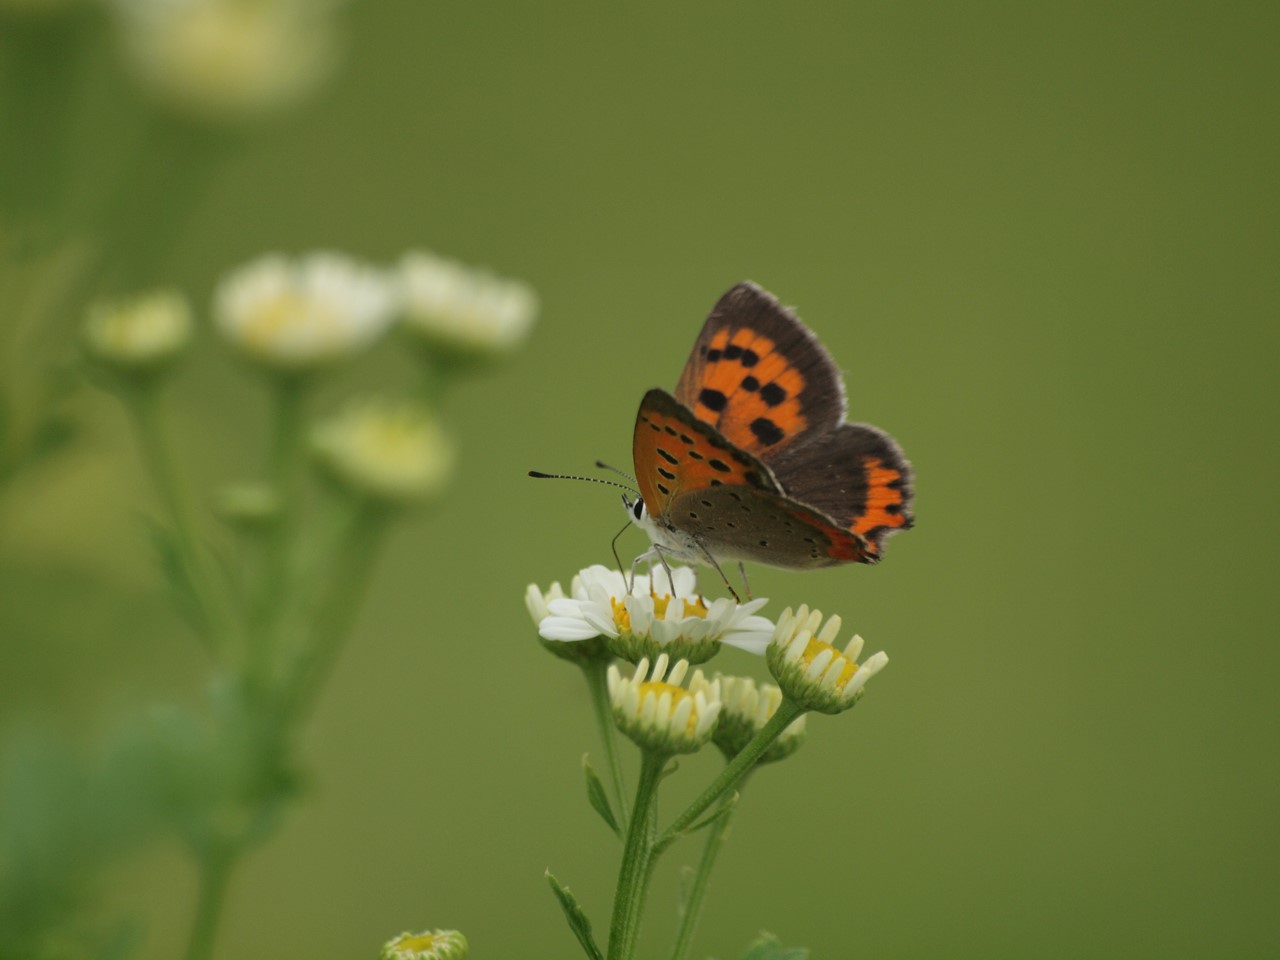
{"points": [[390, 451], [428, 945], [249, 504], [228, 59], [296, 314], [461, 311], [139, 334]]}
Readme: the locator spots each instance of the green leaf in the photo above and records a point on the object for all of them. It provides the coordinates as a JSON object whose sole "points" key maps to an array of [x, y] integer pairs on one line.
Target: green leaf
{"points": [[768, 947], [598, 799], [578, 921]]}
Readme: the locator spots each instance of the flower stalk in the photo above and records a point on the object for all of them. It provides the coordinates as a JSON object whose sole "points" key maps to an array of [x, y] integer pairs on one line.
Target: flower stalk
{"points": [[634, 872]]}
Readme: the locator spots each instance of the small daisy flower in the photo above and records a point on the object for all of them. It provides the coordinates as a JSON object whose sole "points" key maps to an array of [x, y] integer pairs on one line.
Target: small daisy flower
{"points": [[395, 452], [139, 334], [428, 945], [810, 670], [462, 310], [295, 314], [226, 59], [660, 715], [660, 614], [747, 708], [537, 602]]}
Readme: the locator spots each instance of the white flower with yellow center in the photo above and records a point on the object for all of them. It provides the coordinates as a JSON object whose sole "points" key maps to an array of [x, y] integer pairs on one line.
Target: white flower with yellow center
{"points": [[395, 452], [461, 309], [139, 333], [295, 314], [428, 945], [225, 59], [747, 708], [811, 671], [659, 714], [658, 614]]}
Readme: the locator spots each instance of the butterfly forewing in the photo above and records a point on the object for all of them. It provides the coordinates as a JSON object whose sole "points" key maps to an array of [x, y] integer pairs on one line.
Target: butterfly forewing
{"points": [[676, 453], [759, 376]]}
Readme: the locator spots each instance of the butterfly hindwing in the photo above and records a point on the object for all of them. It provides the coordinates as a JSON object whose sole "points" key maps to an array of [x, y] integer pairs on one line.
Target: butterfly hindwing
{"points": [[857, 476], [737, 523], [676, 453], [759, 376]]}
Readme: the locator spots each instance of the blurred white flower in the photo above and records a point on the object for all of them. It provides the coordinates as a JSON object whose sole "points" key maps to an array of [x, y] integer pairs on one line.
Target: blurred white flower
{"points": [[811, 671], [461, 309], [428, 945], [139, 333], [657, 713], [303, 312], [391, 451], [656, 616], [224, 59]]}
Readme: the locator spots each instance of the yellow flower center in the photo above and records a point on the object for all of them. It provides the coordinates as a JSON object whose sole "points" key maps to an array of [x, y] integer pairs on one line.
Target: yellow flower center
{"points": [[287, 310], [848, 669], [658, 687], [622, 619], [420, 941]]}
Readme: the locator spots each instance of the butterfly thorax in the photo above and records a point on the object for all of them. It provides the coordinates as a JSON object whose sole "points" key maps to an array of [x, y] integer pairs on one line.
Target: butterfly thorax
{"points": [[671, 542]]}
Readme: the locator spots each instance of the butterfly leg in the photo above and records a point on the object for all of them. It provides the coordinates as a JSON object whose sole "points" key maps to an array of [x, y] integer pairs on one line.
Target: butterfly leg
{"points": [[711, 561], [746, 584]]}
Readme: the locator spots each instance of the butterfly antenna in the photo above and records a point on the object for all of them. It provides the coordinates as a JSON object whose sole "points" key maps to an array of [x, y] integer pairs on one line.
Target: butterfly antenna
{"points": [[538, 474], [600, 464]]}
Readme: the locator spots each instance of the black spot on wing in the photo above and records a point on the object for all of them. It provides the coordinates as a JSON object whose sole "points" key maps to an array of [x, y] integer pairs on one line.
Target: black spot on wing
{"points": [[713, 399], [766, 431], [772, 394]]}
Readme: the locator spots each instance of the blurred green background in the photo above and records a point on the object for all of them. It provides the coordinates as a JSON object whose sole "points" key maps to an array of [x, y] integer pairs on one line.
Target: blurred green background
{"points": [[1041, 242]]}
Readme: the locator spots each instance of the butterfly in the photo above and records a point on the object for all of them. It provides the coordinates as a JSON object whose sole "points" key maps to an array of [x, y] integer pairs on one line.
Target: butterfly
{"points": [[751, 458]]}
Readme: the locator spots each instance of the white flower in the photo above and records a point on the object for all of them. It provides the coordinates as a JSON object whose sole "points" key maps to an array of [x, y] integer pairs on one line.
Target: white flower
{"points": [[428, 945], [463, 309], [228, 58], [395, 452], [654, 617], [747, 708], [303, 312], [659, 714], [139, 333], [810, 670]]}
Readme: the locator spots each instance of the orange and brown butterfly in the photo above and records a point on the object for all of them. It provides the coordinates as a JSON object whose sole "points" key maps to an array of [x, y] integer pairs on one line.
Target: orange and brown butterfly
{"points": [[751, 458]]}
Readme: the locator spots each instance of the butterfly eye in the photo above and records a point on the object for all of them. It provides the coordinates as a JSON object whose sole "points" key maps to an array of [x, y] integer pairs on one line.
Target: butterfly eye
{"points": [[637, 508]]}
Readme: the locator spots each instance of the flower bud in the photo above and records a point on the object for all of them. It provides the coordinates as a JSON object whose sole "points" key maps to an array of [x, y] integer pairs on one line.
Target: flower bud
{"points": [[660, 715], [810, 670], [141, 334], [392, 452]]}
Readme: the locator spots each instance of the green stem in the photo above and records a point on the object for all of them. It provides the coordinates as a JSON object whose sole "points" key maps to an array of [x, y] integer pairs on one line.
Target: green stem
{"points": [[333, 619], [215, 876], [284, 468], [158, 457], [634, 873], [692, 907], [736, 770], [596, 672]]}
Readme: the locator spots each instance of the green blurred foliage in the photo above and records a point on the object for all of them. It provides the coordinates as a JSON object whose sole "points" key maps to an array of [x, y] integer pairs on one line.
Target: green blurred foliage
{"points": [[1040, 241]]}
